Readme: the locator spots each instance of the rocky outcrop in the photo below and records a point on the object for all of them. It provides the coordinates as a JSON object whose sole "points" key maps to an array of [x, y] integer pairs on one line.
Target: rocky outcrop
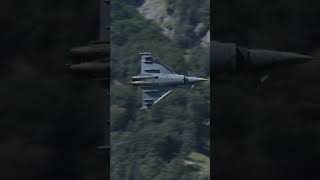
{"points": [[157, 10], [205, 40]]}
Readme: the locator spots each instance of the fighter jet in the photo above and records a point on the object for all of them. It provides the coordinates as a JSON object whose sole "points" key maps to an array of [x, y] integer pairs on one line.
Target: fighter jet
{"points": [[157, 81], [233, 59], [92, 61]]}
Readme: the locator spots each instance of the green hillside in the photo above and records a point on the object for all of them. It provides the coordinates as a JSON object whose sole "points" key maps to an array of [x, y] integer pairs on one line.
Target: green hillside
{"points": [[153, 144]]}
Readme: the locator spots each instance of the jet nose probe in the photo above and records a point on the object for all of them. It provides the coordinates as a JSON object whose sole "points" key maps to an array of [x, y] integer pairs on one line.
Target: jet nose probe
{"points": [[267, 58], [228, 57], [193, 80]]}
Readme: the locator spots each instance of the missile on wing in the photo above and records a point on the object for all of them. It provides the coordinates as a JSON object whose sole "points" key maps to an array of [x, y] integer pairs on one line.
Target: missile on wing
{"points": [[91, 61], [93, 51], [90, 67], [94, 70]]}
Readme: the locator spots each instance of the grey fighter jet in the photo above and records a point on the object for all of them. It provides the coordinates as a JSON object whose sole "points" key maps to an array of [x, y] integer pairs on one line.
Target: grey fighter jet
{"points": [[230, 58], [157, 81], [92, 61]]}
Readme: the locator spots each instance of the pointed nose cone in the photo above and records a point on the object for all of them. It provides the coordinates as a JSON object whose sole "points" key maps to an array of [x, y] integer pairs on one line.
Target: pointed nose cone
{"points": [[269, 58], [193, 80]]}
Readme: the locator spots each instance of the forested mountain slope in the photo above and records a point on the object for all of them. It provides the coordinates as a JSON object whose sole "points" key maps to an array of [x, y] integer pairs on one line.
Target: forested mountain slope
{"points": [[185, 21], [160, 143]]}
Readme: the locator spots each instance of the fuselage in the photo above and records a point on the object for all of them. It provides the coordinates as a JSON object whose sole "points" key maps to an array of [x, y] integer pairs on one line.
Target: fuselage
{"points": [[159, 80], [163, 80]]}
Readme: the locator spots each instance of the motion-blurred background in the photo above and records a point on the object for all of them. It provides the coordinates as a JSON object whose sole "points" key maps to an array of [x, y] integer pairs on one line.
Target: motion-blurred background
{"points": [[49, 121], [271, 130]]}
